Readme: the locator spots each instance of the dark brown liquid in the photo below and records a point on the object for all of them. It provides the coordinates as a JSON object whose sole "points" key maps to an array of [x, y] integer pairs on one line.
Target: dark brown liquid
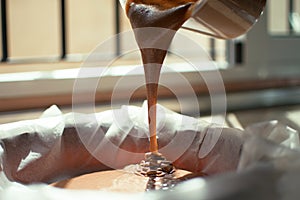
{"points": [[167, 17]]}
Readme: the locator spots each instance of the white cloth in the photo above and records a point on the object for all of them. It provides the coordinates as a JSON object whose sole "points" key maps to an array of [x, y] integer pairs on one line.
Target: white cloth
{"points": [[268, 165]]}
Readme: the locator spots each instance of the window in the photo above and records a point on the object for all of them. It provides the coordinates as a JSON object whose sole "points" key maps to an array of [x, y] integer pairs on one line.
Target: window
{"points": [[44, 42], [49, 29], [284, 17], [275, 41]]}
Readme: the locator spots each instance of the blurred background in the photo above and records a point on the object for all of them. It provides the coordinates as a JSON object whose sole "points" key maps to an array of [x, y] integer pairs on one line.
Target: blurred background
{"points": [[44, 43]]}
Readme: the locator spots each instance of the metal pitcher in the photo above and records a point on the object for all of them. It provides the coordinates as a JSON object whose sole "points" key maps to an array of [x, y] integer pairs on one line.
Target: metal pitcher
{"points": [[224, 19]]}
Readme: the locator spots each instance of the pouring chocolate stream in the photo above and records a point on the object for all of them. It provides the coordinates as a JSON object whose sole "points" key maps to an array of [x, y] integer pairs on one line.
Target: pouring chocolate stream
{"points": [[163, 18]]}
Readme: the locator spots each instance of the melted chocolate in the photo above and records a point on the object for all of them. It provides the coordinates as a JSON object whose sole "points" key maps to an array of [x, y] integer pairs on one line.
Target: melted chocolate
{"points": [[155, 24]]}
